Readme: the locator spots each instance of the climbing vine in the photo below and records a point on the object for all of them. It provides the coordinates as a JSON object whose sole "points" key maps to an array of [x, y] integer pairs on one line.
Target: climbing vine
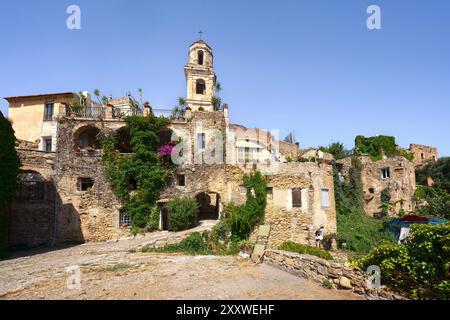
{"points": [[9, 170], [138, 178]]}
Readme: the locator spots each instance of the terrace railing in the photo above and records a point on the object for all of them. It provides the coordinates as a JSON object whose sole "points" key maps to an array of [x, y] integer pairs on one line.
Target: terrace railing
{"points": [[87, 112]]}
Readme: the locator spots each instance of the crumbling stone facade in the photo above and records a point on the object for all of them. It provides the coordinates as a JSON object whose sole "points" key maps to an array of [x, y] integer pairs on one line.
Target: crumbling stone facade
{"points": [[423, 154], [33, 214], [212, 157], [395, 174]]}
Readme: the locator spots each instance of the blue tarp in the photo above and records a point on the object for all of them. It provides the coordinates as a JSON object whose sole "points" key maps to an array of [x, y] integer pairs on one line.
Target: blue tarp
{"points": [[396, 224]]}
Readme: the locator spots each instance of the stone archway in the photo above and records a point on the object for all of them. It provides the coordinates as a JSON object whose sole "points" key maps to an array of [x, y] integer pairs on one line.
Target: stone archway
{"points": [[32, 212], [208, 205], [86, 138]]}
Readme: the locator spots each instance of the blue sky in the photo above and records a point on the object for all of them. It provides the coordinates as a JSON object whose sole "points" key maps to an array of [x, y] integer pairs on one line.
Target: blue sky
{"points": [[309, 66]]}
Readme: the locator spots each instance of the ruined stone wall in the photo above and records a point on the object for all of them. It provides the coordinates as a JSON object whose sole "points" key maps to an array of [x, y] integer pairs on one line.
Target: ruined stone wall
{"points": [[320, 270], [401, 183], [31, 222], [90, 215], [423, 154], [287, 149], [298, 224]]}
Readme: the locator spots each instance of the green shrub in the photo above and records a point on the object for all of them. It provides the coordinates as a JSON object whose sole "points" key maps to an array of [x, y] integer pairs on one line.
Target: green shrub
{"points": [[360, 232], [434, 202], [153, 221], [240, 220], [305, 249], [183, 213], [420, 268], [195, 244], [246, 245], [220, 233]]}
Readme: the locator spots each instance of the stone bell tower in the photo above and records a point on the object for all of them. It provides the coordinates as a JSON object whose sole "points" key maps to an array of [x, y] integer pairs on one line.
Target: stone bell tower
{"points": [[200, 77]]}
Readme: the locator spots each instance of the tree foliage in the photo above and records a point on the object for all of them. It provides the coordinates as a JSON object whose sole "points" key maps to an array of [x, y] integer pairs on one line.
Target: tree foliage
{"points": [[420, 268], [9, 170], [337, 149], [432, 202], [438, 170]]}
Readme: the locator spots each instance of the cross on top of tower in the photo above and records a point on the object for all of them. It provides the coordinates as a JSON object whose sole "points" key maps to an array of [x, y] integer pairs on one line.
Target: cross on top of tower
{"points": [[200, 33]]}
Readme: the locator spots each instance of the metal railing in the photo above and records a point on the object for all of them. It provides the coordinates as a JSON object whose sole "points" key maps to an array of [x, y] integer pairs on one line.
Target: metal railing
{"points": [[87, 112], [126, 112], [163, 112]]}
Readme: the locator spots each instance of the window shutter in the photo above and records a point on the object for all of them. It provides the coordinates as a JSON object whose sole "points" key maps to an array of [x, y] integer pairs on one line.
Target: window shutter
{"points": [[296, 198]]}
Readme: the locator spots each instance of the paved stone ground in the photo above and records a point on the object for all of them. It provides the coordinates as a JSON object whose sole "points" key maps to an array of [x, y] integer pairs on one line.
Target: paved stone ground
{"points": [[112, 271]]}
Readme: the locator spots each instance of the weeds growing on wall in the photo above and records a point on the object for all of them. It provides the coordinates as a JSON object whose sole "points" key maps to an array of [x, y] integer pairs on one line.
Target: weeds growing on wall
{"points": [[9, 170], [138, 178]]}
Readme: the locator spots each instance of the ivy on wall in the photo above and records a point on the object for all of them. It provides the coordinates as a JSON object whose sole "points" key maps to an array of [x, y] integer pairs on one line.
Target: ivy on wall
{"points": [[378, 146], [240, 220], [9, 170], [138, 178]]}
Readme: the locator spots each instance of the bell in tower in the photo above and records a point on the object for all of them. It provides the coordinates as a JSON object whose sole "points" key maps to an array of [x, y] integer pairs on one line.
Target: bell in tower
{"points": [[200, 77]]}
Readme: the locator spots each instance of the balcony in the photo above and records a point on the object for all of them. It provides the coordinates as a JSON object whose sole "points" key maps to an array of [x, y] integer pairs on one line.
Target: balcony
{"points": [[109, 112], [86, 113]]}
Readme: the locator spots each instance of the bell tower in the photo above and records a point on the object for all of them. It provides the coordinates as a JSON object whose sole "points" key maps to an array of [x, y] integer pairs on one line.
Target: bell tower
{"points": [[200, 77]]}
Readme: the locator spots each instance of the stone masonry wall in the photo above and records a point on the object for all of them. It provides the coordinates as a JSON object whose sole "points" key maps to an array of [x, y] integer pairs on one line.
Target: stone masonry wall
{"points": [[320, 270], [31, 222], [423, 154], [90, 215], [401, 183]]}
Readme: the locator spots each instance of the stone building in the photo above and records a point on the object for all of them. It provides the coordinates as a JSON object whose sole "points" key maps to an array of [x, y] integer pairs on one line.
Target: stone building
{"points": [[423, 154], [69, 185], [396, 174]]}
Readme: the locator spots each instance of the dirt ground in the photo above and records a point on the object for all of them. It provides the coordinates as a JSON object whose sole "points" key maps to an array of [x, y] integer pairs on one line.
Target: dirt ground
{"points": [[111, 271]]}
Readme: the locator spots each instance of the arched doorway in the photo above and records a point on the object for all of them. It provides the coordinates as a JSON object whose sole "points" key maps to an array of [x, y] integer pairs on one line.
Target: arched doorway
{"points": [[208, 205], [32, 213], [86, 138]]}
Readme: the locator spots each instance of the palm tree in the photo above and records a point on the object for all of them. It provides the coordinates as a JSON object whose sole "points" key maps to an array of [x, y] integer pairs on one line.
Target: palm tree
{"points": [[140, 94], [216, 102], [218, 87]]}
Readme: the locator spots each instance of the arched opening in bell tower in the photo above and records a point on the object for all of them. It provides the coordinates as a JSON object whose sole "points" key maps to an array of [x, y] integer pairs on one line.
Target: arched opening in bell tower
{"points": [[200, 57], [200, 86]]}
